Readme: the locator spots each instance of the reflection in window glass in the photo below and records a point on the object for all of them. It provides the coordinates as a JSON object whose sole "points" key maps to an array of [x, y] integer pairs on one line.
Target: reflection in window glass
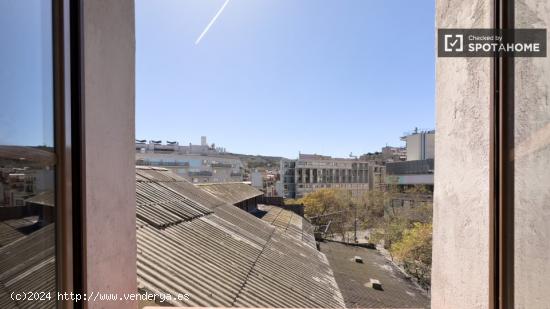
{"points": [[27, 158]]}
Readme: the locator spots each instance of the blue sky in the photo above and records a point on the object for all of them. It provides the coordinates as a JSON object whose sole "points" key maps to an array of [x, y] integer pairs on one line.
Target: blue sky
{"points": [[278, 77], [26, 93]]}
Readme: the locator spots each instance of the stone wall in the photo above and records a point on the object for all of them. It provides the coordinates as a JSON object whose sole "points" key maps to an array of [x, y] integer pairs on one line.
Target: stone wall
{"points": [[460, 273], [532, 169]]}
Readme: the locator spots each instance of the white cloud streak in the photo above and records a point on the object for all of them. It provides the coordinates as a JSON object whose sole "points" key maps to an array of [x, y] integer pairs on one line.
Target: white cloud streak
{"points": [[212, 22]]}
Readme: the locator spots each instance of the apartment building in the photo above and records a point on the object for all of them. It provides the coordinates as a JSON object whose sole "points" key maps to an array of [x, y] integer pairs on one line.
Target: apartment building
{"points": [[420, 144], [311, 172], [388, 154], [157, 146], [265, 180], [418, 168], [416, 171], [197, 163]]}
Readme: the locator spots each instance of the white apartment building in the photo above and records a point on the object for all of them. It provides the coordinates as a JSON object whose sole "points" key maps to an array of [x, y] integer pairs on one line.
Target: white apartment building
{"points": [[196, 163], [420, 145]]}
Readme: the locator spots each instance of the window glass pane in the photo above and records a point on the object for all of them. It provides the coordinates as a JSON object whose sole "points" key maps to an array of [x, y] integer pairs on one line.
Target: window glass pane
{"points": [[531, 151], [311, 99], [27, 158]]}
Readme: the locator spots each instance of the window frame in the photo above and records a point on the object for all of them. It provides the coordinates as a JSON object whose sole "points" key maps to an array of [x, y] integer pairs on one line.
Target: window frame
{"points": [[67, 136]]}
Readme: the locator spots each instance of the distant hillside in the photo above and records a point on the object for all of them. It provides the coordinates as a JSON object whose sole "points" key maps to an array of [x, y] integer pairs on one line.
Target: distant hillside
{"points": [[258, 161]]}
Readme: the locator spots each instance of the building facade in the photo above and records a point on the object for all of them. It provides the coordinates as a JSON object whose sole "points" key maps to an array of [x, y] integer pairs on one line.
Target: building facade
{"points": [[312, 172], [410, 173], [420, 145], [388, 154], [418, 169], [196, 163]]}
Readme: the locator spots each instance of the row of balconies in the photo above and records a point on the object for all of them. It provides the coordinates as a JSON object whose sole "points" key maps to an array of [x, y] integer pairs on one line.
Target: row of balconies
{"points": [[161, 163], [330, 180]]}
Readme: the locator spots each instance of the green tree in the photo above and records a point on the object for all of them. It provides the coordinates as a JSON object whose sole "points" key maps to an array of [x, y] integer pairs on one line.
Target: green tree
{"points": [[414, 251], [405, 229]]}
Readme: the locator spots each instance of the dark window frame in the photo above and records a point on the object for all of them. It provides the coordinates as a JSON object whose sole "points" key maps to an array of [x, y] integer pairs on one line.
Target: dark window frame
{"points": [[66, 34], [501, 211]]}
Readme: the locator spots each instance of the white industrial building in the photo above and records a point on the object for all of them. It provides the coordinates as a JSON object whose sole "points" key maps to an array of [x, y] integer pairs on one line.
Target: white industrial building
{"points": [[196, 163], [420, 145], [418, 169]]}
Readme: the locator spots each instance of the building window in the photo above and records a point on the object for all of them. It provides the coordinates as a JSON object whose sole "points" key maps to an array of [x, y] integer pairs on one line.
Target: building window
{"points": [[27, 156]]}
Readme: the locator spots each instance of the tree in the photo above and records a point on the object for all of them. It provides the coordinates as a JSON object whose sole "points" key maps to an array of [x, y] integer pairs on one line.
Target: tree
{"points": [[414, 251], [374, 203], [405, 229], [390, 231], [325, 201]]}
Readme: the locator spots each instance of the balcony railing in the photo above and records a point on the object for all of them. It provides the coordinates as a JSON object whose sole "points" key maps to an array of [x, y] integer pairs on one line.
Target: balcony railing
{"points": [[162, 163]]}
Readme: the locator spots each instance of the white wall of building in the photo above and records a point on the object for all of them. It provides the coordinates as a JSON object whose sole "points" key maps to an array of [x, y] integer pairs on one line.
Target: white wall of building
{"points": [[420, 146], [414, 149], [429, 149], [257, 180]]}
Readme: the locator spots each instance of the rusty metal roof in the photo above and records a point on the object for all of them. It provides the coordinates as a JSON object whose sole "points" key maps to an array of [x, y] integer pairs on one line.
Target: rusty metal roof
{"points": [[231, 192], [289, 222], [227, 257]]}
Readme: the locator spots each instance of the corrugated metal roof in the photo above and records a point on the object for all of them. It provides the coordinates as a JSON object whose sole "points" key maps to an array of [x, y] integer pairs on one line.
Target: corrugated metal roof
{"points": [[228, 257], [353, 279], [166, 179], [8, 234], [46, 198], [28, 264], [231, 192], [160, 205], [289, 222]]}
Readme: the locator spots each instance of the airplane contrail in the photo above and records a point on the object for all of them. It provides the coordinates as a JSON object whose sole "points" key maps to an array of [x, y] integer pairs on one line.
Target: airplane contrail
{"points": [[212, 22]]}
